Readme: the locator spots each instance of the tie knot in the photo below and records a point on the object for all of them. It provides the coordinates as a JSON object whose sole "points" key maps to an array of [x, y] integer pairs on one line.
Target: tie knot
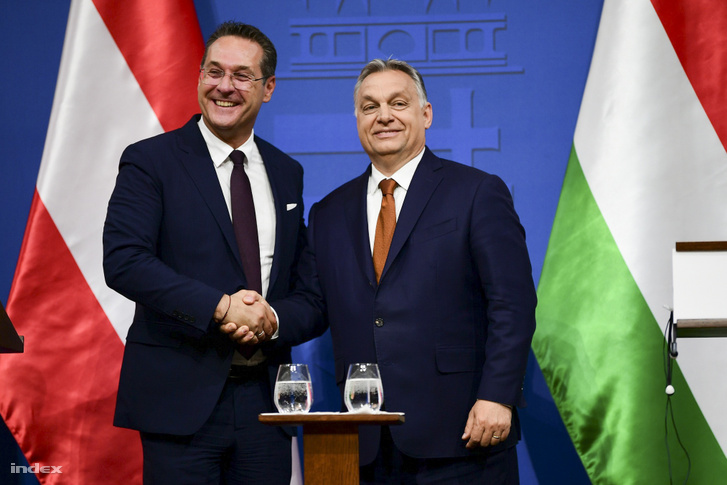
{"points": [[237, 157], [387, 186]]}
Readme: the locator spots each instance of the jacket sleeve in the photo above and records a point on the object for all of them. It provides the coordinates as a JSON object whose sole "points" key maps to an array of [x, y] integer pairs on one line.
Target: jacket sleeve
{"points": [[498, 247], [131, 241]]}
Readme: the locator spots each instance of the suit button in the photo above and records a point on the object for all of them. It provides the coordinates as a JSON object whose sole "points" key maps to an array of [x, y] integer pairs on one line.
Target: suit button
{"points": [[379, 322]]}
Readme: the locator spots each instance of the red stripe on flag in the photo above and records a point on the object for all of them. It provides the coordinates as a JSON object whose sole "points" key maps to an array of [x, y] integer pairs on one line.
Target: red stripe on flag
{"points": [[64, 386], [162, 44], [698, 31]]}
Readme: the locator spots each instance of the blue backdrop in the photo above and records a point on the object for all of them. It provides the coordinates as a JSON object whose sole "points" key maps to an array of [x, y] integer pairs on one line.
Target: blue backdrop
{"points": [[505, 79]]}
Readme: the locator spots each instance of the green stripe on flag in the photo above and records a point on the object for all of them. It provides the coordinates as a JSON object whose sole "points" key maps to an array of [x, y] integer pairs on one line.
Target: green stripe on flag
{"points": [[601, 352]]}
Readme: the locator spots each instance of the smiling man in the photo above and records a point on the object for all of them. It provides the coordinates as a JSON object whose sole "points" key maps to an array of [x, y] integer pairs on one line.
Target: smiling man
{"points": [[420, 265], [392, 118], [198, 216]]}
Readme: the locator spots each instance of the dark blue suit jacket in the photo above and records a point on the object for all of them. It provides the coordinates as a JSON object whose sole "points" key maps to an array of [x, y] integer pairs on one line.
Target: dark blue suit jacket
{"points": [[170, 247], [453, 316]]}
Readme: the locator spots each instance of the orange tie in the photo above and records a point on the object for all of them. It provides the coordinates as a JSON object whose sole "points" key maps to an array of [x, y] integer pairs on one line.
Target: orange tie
{"points": [[385, 225]]}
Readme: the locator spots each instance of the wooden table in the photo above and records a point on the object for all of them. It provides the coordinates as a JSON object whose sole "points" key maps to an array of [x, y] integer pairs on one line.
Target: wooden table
{"points": [[330, 442]]}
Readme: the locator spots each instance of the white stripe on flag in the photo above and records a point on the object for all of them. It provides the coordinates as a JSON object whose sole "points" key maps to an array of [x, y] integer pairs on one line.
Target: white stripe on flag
{"points": [[98, 110], [657, 170]]}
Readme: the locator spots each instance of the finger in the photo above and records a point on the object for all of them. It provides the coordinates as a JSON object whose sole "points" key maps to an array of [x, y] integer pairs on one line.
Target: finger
{"points": [[228, 327], [468, 428], [499, 436], [479, 436], [264, 318], [241, 333], [258, 319], [247, 339], [476, 437], [274, 323], [473, 443], [249, 297], [269, 323], [268, 327], [487, 438]]}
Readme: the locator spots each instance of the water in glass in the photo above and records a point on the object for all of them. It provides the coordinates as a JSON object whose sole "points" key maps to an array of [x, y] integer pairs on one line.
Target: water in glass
{"points": [[293, 389], [363, 391]]}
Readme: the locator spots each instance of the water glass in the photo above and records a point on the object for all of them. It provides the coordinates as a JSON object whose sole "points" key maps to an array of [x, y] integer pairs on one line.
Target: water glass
{"points": [[293, 389], [364, 392]]}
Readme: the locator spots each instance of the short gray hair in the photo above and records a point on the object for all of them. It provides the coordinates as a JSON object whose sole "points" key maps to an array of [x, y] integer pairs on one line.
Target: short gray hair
{"points": [[381, 65]]}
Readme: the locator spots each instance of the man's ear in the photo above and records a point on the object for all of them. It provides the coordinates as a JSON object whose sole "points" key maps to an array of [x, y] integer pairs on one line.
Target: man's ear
{"points": [[269, 88], [428, 115]]}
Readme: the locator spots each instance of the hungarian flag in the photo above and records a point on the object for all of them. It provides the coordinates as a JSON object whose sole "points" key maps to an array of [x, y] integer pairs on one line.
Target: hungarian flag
{"points": [[648, 169], [128, 71]]}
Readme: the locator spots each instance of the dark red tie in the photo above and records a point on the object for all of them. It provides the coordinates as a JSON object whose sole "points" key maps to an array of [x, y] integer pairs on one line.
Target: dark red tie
{"points": [[244, 222]]}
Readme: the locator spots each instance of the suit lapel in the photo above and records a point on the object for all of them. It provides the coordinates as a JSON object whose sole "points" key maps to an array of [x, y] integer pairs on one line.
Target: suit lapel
{"points": [[357, 223], [426, 179], [196, 161], [276, 177]]}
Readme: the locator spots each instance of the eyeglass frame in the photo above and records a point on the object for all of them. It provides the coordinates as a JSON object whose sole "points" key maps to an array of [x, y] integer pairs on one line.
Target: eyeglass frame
{"points": [[205, 73]]}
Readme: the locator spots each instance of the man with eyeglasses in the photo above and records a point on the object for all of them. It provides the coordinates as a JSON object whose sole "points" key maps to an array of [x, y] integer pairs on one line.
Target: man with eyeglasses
{"points": [[198, 215]]}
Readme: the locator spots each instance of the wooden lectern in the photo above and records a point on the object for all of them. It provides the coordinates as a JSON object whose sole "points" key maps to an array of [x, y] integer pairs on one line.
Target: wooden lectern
{"points": [[330, 442], [700, 289], [10, 341]]}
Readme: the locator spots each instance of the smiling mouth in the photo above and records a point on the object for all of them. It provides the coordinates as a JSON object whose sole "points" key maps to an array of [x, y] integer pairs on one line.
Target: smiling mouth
{"points": [[385, 134], [225, 104]]}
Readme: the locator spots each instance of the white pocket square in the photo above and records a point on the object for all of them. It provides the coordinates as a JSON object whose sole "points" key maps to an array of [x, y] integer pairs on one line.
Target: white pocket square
{"points": [[290, 207]]}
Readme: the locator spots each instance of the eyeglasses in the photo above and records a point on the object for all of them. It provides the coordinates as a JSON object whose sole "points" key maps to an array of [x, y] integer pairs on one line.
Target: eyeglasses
{"points": [[240, 80]]}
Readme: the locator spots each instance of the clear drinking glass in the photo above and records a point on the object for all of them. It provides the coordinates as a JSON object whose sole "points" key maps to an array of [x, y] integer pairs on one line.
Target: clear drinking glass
{"points": [[363, 392], [293, 389]]}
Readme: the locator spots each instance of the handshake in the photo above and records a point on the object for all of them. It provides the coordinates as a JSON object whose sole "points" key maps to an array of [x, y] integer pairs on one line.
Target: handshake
{"points": [[246, 317]]}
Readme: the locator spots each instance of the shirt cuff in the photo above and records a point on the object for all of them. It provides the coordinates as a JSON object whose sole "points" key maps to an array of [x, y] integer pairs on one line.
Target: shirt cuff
{"points": [[277, 330]]}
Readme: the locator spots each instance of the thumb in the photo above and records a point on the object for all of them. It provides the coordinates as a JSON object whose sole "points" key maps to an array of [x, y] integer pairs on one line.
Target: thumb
{"points": [[250, 297]]}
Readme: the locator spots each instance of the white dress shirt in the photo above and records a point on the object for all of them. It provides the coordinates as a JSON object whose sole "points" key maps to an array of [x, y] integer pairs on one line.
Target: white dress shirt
{"points": [[262, 196], [403, 178]]}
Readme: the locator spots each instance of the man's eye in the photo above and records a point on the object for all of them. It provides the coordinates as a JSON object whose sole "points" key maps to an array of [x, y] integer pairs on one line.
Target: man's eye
{"points": [[242, 77], [399, 104], [215, 73], [369, 108]]}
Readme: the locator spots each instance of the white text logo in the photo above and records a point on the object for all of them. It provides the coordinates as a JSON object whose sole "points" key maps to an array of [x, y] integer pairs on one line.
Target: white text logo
{"points": [[34, 468]]}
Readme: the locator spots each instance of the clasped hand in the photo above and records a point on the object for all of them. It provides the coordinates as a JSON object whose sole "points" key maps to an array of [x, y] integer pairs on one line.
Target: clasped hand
{"points": [[246, 317]]}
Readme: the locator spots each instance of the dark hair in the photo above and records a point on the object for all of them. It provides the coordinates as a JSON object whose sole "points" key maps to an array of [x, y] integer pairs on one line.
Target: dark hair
{"points": [[249, 32], [380, 65]]}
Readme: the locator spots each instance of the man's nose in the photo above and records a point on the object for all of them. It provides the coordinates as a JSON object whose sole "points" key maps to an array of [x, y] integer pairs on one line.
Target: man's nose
{"points": [[384, 114], [225, 84]]}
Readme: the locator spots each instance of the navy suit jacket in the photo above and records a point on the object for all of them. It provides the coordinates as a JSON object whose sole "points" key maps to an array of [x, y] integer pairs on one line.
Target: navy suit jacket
{"points": [[169, 246], [452, 318]]}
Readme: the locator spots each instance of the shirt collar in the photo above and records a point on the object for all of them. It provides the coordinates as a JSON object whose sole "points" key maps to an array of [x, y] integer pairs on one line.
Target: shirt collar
{"points": [[403, 176], [219, 150]]}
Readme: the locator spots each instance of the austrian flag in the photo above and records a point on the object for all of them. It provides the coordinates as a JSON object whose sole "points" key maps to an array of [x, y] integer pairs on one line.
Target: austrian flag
{"points": [[128, 71]]}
